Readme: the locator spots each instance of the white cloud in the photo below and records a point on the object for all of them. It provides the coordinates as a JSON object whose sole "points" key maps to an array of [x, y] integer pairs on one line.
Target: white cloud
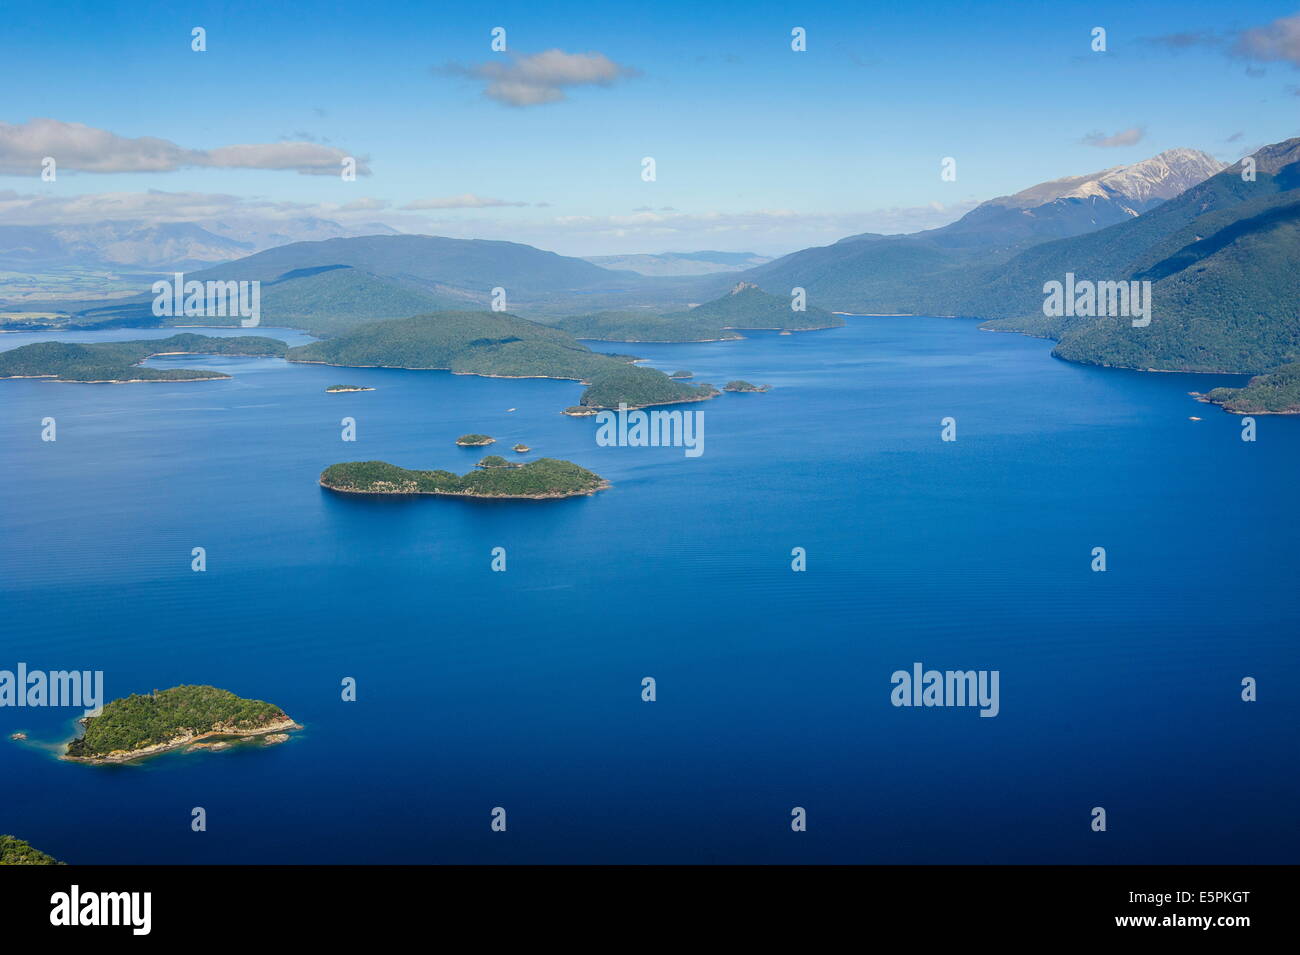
{"points": [[1278, 41], [535, 78], [467, 201], [81, 148], [1125, 137]]}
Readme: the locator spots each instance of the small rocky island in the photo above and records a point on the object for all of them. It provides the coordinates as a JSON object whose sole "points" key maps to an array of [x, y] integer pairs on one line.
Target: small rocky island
{"points": [[142, 725], [342, 389], [545, 478], [744, 386], [522, 448], [474, 440]]}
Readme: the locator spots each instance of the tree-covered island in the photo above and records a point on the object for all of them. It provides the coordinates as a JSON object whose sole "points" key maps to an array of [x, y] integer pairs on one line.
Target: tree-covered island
{"points": [[541, 479], [143, 725], [744, 386], [474, 440]]}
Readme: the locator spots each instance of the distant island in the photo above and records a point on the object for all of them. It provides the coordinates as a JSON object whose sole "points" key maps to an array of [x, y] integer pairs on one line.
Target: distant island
{"points": [[522, 448], [1274, 392], [14, 851], [143, 725], [474, 440], [746, 306], [336, 389], [541, 479], [739, 385], [118, 362]]}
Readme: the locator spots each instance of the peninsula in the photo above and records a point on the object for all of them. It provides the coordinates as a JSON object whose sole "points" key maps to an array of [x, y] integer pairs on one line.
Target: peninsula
{"points": [[1274, 392], [119, 362], [143, 725], [545, 478], [746, 306]]}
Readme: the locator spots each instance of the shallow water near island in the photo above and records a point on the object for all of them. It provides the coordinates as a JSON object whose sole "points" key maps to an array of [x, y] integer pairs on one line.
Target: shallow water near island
{"points": [[522, 689]]}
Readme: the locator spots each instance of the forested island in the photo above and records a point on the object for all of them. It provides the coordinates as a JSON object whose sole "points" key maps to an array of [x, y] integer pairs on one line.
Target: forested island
{"points": [[540, 479], [639, 387], [338, 389], [14, 851], [495, 461], [474, 440], [143, 725], [740, 385], [1274, 392], [497, 344], [118, 362]]}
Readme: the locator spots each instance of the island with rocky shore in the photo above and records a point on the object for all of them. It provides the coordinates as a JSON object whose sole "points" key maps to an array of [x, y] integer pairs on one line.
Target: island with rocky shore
{"points": [[143, 725], [545, 478]]}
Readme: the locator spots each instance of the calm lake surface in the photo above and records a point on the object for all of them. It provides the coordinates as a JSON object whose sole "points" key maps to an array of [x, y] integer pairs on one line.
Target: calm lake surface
{"points": [[523, 689]]}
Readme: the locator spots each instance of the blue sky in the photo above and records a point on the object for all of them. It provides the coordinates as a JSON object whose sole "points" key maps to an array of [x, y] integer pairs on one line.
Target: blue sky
{"points": [[757, 147]]}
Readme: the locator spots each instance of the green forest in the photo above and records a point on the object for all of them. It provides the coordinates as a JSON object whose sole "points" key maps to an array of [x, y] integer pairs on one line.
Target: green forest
{"points": [[141, 720]]}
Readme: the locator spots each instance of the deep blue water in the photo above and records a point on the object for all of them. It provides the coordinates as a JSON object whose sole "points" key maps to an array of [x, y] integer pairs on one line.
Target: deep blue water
{"points": [[522, 689]]}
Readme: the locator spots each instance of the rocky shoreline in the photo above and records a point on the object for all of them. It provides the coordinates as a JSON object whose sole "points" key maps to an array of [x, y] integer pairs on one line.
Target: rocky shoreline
{"points": [[182, 741], [403, 492]]}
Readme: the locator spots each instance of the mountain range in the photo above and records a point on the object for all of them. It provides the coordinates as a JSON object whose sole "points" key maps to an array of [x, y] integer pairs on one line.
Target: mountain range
{"points": [[158, 247], [1217, 245]]}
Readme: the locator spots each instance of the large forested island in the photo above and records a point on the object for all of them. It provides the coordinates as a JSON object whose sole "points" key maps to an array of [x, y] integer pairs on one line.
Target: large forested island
{"points": [[496, 344], [541, 479], [15, 851], [746, 306], [119, 361], [1275, 392], [501, 345], [148, 724]]}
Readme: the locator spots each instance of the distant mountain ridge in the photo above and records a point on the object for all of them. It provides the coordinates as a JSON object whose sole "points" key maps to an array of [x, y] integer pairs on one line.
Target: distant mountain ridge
{"points": [[872, 273], [680, 263], [158, 247]]}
